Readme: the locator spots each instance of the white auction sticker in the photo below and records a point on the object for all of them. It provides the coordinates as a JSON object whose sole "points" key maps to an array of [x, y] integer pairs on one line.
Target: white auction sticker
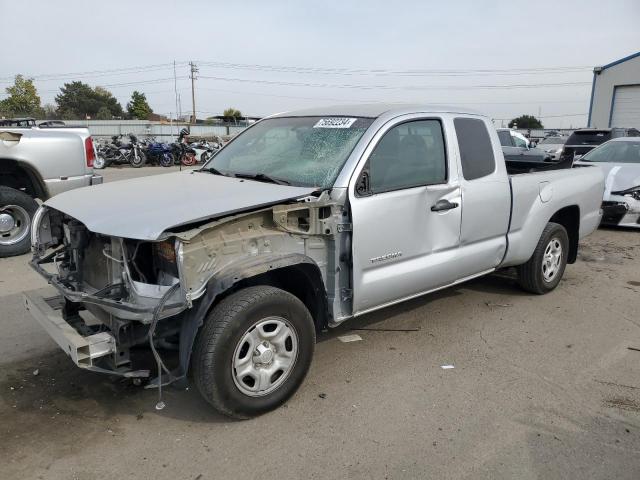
{"points": [[335, 122]]}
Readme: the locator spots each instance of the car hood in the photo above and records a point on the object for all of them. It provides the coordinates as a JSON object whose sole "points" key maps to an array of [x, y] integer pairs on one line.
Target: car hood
{"points": [[550, 146], [619, 176], [143, 208]]}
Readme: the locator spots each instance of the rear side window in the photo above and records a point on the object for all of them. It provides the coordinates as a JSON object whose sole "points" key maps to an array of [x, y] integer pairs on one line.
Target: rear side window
{"points": [[476, 151], [505, 138]]}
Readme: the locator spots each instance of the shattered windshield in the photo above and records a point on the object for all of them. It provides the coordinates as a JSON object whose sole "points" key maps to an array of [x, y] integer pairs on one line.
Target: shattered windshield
{"points": [[301, 151], [615, 152]]}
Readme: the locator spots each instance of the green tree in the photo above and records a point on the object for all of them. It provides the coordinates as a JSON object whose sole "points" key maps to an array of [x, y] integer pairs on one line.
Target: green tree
{"points": [[104, 114], [526, 121], [138, 107], [77, 100], [23, 99], [232, 112], [50, 112]]}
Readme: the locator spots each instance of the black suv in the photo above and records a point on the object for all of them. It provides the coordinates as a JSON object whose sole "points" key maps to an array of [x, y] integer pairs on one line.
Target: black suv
{"points": [[584, 140]]}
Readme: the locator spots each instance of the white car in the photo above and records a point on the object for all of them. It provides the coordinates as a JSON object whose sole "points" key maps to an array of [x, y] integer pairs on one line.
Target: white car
{"points": [[620, 161]]}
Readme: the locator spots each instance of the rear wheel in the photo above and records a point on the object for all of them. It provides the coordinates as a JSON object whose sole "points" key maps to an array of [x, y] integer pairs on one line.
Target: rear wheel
{"points": [[253, 351], [99, 162], [188, 159], [16, 211], [545, 268]]}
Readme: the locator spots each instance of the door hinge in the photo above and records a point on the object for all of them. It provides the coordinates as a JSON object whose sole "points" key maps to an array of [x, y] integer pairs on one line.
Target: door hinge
{"points": [[346, 294]]}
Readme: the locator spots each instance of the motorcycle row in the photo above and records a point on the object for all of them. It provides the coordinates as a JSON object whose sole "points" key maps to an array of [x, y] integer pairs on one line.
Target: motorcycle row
{"points": [[138, 152]]}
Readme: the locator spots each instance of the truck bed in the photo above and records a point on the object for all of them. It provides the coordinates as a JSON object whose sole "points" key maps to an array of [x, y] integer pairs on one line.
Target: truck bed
{"points": [[536, 193]]}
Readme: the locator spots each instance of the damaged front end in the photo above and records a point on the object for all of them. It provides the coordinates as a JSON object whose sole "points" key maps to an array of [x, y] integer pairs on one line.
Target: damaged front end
{"points": [[157, 292], [622, 208], [127, 285]]}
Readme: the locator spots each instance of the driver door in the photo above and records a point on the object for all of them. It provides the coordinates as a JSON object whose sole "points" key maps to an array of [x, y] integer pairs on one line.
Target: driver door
{"points": [[406, 212]]}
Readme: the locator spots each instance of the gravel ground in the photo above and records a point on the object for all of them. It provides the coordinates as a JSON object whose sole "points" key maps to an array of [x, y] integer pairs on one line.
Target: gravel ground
{"points": [[543, 387]]}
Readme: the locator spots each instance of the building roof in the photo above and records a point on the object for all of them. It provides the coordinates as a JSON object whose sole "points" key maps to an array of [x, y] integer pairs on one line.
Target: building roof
{"points": [[617, 62]]}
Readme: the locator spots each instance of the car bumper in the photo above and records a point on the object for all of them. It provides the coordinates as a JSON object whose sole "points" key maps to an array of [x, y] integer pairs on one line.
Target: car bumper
{"points": [[63, 184], [86, 351], [96, 179], [623, 214]]}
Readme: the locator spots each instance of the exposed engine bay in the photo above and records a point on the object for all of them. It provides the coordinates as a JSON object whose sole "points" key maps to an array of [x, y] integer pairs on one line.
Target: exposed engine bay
{"points": [[135, 289]]}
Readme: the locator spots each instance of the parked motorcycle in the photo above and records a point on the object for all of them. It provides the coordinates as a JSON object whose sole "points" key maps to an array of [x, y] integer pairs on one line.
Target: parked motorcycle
{"points": [[205, 150], [184, 154], [160, 153], [118, 153]]}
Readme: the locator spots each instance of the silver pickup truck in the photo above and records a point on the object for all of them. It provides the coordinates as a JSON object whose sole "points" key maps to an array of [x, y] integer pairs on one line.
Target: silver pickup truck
{"points": [[303, 221], [38, 163]]}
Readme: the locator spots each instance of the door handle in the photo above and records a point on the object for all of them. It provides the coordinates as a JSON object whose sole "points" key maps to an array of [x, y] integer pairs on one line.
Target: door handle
{"points": [[442, 205]]}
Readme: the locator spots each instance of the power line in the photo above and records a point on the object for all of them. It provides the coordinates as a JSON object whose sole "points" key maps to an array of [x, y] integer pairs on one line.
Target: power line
{"points": [[97, 73], [391, 87], [411, 73]]}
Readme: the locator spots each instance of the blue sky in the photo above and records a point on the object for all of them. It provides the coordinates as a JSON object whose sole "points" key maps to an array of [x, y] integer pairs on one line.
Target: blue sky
{"points": [[503, 58]]}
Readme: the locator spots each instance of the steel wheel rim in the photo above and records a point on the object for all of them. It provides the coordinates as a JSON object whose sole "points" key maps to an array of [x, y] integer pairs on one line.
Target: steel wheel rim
{"points": [[265, 356], [15, 224], [551, 259]]}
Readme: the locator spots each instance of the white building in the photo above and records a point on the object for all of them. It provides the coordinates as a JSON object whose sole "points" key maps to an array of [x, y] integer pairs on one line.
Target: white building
{"points": [[615, 94]]}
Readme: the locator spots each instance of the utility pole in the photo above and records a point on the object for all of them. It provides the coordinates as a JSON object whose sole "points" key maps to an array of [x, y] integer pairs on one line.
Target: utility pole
{"points": [[194, 70]]}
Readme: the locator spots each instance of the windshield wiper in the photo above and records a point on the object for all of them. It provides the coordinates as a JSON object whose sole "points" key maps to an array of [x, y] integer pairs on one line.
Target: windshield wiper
{"points": [[213, 170], [262, 177]]}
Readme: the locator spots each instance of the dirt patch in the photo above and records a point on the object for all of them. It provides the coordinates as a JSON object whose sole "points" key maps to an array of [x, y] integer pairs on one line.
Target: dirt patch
{"points": [[606, 252], [50, 398], [623, 403]]}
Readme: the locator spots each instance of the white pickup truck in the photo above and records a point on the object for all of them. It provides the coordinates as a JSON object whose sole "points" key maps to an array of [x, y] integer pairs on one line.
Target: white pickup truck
{"points": [[303, 221], [36, 164]]}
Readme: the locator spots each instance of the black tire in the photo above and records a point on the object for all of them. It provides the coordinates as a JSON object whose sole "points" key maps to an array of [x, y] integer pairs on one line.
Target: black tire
{"points": [[137, 162], [531, 275], [166, 160], [222, 332], [10, 197], [203, 157]]}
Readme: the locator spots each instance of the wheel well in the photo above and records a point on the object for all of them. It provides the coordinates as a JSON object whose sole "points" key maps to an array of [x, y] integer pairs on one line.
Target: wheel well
{"points": [[303, 281], [17, 176], [569, 218]]}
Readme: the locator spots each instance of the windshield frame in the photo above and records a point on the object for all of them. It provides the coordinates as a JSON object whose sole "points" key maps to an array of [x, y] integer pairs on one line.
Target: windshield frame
{"points": [[371, 120]]}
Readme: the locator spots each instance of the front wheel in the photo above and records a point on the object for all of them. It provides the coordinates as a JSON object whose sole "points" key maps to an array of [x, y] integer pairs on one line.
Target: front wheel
{"points": [[166, 160], [253, 351], [137, 159], [544, 270]]}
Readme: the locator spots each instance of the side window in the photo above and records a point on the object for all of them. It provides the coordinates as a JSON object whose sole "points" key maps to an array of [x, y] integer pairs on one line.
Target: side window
{"points": [[505, 138], [518, 141], [476, 152], [408, 155]]}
